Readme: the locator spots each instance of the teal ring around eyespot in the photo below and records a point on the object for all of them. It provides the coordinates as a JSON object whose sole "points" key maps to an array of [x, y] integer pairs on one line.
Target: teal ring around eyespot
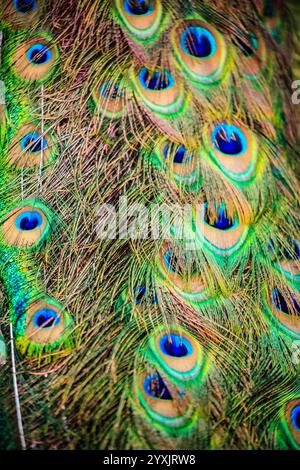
{"points": [[39, 47]]}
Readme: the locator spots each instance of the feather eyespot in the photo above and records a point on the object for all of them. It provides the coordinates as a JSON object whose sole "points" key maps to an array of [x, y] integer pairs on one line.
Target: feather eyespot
{"points": [[229, 140], [25, 6], [177, 353], [139, 293], [20, 14], [164, 403], [220, 232], [109, 99], [234, 149], [47, 327], [171, 262], [293, 252], [269, 8], [180, 155], [183, 279], [25, 226], [283, 308], [35, 59], [111, 91], [142, 18], [249, 46], [200, 51], [180, 162], [27, 146], [159, 90], [270, 12]]}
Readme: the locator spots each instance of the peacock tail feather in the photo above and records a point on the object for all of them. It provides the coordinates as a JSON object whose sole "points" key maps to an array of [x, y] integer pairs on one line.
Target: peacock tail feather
{"points": [[149, 224]]}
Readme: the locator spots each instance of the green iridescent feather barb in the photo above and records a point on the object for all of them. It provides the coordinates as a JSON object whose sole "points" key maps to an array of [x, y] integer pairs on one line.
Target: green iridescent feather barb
{"points": [[149, 225]]}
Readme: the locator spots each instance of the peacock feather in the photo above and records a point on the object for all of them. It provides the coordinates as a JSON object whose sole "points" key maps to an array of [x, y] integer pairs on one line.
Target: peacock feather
{"points": [[149, 225]]}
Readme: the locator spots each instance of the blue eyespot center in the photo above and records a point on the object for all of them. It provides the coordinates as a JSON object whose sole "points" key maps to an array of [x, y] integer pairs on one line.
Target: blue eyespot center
{"points": [[171, 261], [175, 345], [286, 304], [33, 142], [155, 387], [295, 416], [139, 7], [157, 80], [139, 293], [166, 151], [179, 155], [28, 221], [111, 91], [198, 42], [223, 222], [46, 318], [25, 6], [39, 54], [229, 140]]}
